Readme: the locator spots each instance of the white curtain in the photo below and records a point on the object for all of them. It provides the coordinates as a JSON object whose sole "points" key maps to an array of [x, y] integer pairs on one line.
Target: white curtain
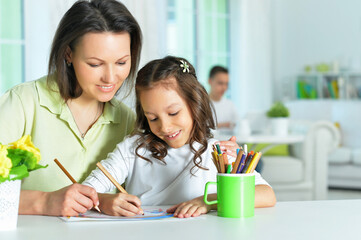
{"points": [[251, 68], [151, 16]]}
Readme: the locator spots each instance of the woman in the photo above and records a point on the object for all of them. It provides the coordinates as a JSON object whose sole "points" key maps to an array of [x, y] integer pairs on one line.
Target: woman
{"points": [[71, 114]]}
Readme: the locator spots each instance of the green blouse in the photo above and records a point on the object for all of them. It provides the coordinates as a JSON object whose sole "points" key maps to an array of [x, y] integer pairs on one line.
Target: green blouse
{"points": [[33, 109]]}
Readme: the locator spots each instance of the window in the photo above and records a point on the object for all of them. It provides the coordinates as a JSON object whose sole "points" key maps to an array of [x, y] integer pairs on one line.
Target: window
{"points": [[198, 30], [11, 44]]}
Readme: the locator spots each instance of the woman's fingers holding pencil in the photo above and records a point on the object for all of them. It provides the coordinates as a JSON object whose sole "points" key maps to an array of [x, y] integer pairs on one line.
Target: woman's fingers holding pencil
{"points": [[70, 201], [120, 204]]}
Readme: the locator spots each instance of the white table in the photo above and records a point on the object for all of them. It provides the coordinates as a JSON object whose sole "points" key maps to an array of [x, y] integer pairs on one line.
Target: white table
{"points": [[338, 219]]}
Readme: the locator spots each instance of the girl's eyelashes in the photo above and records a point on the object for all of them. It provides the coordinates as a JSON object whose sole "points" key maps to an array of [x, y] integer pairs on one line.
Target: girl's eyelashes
{"points": [[153, 120], [121, 63]]}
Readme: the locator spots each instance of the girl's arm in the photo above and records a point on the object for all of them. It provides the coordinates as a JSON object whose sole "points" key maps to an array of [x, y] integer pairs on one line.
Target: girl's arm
{"points": [[264, 196], [194, 207], [68, 201]]}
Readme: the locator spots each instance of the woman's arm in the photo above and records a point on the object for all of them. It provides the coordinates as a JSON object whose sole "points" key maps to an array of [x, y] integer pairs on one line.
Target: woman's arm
{"points": [[68, 201]]}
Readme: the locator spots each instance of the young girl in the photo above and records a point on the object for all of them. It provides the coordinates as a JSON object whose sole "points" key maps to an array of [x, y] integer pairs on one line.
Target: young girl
{"points": [[167, 160]]}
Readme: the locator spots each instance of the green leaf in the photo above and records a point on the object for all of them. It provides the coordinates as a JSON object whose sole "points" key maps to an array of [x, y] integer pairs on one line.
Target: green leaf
{"points": [[38, 166], [278, 110], [19, 157], [18, 172]]}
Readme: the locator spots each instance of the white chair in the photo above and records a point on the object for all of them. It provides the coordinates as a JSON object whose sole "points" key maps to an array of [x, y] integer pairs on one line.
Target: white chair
{"points": [[303, 174]]}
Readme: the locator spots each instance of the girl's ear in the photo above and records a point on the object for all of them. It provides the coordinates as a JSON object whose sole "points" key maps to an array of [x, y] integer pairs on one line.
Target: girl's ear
{"points": [[68, 55]]}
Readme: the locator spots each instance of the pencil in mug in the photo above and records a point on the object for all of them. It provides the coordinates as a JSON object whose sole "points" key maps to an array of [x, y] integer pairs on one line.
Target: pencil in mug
{"points": [[70, 177], [241, 163], [215, 161], [254, 163], [247, 162], [221, 163], [110, 177], [237, 162], [249, 165]]}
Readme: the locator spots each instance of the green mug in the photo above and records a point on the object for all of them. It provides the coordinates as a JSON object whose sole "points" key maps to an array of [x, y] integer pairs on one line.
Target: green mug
{"points": [[235, 195]]}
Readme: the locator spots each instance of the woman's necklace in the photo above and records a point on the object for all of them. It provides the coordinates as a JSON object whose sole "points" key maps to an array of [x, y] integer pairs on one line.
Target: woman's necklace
{"points": [[97, 115]]}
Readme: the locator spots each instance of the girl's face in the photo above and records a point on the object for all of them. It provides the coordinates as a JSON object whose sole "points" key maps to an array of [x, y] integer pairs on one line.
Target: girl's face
{"points": [[101, 62], [168, 115]]}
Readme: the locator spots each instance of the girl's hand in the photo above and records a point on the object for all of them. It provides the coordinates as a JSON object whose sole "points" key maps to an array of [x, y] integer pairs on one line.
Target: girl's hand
{"points": [[229, 147], [120, 204], [192, 208]]}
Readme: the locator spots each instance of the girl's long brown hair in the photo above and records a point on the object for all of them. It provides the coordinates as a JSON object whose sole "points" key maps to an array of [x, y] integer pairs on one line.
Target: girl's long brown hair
{"points": [[159, 72]]}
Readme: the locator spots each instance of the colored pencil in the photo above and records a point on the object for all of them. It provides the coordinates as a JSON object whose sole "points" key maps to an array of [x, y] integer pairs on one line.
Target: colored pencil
{"points": [[110, 177], [237, 162]]}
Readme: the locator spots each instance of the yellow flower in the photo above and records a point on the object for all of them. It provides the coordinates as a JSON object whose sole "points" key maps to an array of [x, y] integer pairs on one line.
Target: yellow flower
{"points": [[5, 162], [25, 143]]}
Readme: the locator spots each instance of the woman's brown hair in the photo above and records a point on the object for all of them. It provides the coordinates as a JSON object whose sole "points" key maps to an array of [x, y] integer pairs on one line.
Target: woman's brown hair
{"points": [[95, 16], [160, 71]]}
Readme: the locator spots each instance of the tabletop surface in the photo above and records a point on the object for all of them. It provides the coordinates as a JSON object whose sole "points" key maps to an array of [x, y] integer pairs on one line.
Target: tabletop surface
{"points": [[332, 219]]}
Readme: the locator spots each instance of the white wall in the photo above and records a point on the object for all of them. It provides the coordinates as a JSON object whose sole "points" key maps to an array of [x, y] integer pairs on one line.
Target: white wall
{"points": [[314, 31]]}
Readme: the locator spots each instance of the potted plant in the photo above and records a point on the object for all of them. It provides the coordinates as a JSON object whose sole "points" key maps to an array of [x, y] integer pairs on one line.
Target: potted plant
{"points": [[17, 159], [278, 113]]}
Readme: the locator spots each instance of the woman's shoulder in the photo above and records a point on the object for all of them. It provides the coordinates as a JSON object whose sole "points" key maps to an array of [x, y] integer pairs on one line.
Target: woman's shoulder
{"points": [[25, 88], [26, 92]]}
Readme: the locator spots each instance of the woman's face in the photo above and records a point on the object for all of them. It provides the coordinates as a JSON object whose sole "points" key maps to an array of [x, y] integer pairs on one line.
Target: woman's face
{"points": [[101, 63]]}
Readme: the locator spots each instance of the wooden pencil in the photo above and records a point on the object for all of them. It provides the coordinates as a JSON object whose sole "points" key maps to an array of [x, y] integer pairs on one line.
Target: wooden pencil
{"points": [[215, 161], [237, 162], [221, 163], [64, 171], [70, 177], [254, 159], [110, 177], [254, 165]]}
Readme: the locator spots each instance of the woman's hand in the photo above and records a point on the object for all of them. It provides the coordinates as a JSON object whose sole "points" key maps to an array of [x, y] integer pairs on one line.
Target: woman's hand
{"points": [[120, 204], [229, 147], [192, 208], [70, 201]]}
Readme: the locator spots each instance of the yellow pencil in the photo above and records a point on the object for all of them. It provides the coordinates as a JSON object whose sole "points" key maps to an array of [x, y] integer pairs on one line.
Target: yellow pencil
{"points": [[215, 161], [254, 162]]}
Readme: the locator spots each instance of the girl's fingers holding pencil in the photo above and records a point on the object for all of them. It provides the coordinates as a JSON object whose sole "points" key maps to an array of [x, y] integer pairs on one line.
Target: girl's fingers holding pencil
{"points": [[120, 204], [229, 146]]}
